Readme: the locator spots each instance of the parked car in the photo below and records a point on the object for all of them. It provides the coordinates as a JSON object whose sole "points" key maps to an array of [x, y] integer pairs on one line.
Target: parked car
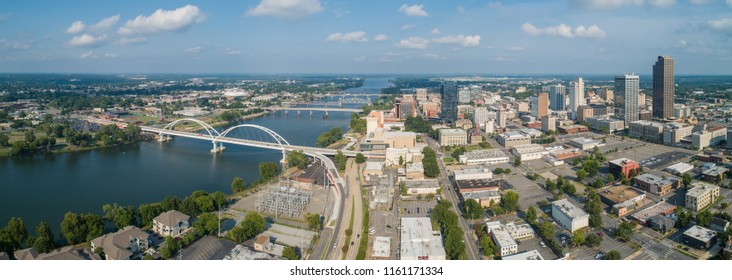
{"points": [[543, 245]]}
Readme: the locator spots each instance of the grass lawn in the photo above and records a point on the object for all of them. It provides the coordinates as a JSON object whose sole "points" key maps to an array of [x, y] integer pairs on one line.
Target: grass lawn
{"points": [[448, 160]]}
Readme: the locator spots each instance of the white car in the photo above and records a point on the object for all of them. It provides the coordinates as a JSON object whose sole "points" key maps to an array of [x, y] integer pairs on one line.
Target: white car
{"points": [[543, 245]]}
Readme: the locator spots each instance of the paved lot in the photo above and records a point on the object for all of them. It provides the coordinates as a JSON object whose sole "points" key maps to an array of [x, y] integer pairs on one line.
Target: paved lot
{"points": [[533, 244], [384, 224], [530, 193], [416, 208], [660, 161]]}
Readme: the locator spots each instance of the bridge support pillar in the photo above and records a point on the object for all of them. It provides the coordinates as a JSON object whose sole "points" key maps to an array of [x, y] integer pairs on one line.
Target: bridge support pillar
{"points": [[164, 138], [217, 149], [311, 114]]}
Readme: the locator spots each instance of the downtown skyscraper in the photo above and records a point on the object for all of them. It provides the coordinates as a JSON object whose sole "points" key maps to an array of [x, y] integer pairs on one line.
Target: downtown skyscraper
{"points": [[663, 88], [576, 94], [449, 94], [627, 87], [557, 97]]}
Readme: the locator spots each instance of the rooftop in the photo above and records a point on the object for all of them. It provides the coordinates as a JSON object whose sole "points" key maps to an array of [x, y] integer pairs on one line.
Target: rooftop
{"points": [[680, 168], [419, 240], [700, 233], [381, 247], [417, 166], [528, 148], [478, 154], [452, 131], [532, 255], [513, 134], [501, 236], [374, 165], [171, 218], [583, 140], [700, 188], [477, 183], [569, 209], [645, 214], [619, 194], [422, 183], [622, 161], [656, 180], [474, 169]]}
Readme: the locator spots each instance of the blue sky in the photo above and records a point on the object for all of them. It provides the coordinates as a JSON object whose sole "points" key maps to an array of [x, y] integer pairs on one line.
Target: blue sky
{"points": [[331, 36]]}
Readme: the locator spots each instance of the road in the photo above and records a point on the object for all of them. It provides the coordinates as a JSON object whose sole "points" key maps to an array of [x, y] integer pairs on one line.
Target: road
{"points": [[355, 186], [448, 190]]}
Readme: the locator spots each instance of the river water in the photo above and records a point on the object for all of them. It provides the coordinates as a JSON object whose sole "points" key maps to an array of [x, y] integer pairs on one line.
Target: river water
{"points": [[43, 188]]}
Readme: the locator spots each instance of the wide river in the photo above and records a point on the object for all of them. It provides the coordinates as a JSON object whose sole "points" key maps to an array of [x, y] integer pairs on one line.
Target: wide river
{"points": [[43, 188]]}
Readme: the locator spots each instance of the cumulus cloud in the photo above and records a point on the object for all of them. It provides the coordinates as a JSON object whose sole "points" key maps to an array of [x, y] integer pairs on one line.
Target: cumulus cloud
{"points": [[15, 45], [106, 23], [434, 56], [729, 3], [359, 58], [229, 51], [462, 40], [413, 11], [163, 21], [88, 40], [412, 43], [564, 31], [723, 25], [460, 9], [287, 9], [408, 26], [111, 55], [195, 49], [75, 27], [89, 54], [131, 40], [515, 49], [435, 31], [381, 37], [614, 4], [4, 17], [355, 36]]}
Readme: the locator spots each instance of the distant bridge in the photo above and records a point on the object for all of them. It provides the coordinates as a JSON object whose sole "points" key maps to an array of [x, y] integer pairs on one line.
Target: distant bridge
{"points": [[319, 109]]}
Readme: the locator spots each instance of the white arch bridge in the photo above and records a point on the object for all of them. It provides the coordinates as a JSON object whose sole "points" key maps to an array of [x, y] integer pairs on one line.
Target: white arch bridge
{"points": [[228, 136]]}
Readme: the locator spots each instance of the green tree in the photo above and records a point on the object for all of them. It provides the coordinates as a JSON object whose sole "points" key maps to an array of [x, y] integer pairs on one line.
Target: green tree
{"points": [[489, 248], [79, 228], [4, 140], [687, 180], [148, 212], [205, 203], [238, 185], [15, 232], [314, 221], [170, 247], [290, 253], [624, 231], [268, 170], [581, 174], [517, 161], [509, 201], [429, 162], [593, 240], [403, 189], [578, 237], [613, 255], [531, 214], [401, 160], [121, 216], [298, 159], [683, 217], [30, 136], [610, 178], [219, 199], [360, 158], [170, 203], [704, 218], [207, 224], [546, 230], [252, 225], [472, 209], [341, 160], [44, 241]]}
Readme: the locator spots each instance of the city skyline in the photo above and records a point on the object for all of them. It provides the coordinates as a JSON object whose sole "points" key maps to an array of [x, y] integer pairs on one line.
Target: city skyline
{"points": [[425, 37]]}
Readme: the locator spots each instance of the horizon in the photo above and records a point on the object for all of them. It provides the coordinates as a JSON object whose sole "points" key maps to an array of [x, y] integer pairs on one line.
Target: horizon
{"points": [[427, 37]]}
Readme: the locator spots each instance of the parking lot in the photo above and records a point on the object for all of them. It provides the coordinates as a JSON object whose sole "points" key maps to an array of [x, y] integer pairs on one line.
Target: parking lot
{"points": [[639, 151], [530, 193], [416, 208], [384, 224], [663, 160]]}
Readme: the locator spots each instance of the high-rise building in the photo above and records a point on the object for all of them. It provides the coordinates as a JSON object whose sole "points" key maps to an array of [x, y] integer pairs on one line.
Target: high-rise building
{"points": [[576, 94], [627, 87], [480, 116], [540, 105], [502, 117], [663, 88], [421, 94], [557, 96], [449, 93], [606, 94], [464, 95]]}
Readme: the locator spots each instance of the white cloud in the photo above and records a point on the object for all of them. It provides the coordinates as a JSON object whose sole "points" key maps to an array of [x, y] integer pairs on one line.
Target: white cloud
{"points": [[408, 26], [682, 44], [195, 49], [75, 27], [462, 40], [89, 54], [111, 55], [16, 45], [699, 2], [729, 3], [4, 17], [163, 21], [413, 11], [412, 43], [359, 58], [434, 56], [229, 51], [515, 49], [614, 4], [106, 23], [388, 57], [355, 36], [564, 31], [88, 40], [381, 37], [723, 25], [460, 9], [495, 4], [131, 41], [435, 31], [287, 9]]}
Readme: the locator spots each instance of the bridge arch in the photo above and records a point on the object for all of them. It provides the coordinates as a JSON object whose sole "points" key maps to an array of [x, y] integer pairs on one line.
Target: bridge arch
{"points": [[278, 138], [212, 132]]}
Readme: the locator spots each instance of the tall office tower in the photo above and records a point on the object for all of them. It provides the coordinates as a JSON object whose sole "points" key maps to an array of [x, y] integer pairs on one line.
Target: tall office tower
{"points": [[663, 88], [627, 87], [449, 93], [421, 94], [576, 94], [502, 117], [540, 105], [557, 96], [480, 116], [606, 94], [464, 95]]}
